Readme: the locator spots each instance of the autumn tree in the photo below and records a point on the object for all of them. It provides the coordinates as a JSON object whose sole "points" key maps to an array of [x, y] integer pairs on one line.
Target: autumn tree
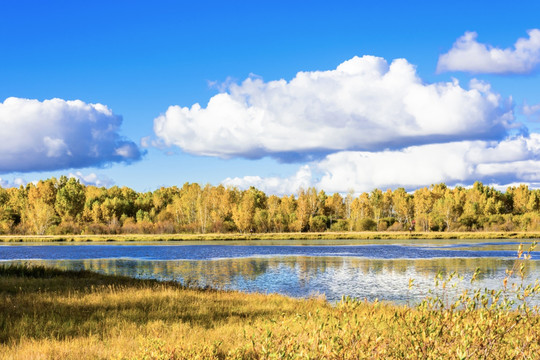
{"points": [[334, 207], [221, 201], [67, 206], [446, 210], [288, 205], [38, 214], [520, 198], [423, 205], [244, 212], [309, 203], [204, 208], [348, 207], [185, 206], [403, 206], [6, 221], [533, 205], [376, 200], [361, 213]]}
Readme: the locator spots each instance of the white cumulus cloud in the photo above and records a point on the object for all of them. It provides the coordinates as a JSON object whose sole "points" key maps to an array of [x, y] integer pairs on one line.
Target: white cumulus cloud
{"points": [[364, 104], [471, 56], [58, 134], [92, 179], [275, 185], [416, 166], [464, 162]]}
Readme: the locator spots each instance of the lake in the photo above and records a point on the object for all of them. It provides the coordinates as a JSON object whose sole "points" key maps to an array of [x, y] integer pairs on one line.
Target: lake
{"points": [[372, 269]]}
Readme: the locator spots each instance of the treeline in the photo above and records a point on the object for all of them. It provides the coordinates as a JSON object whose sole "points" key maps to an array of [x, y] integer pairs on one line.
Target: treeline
{"points": [[65, 206]]}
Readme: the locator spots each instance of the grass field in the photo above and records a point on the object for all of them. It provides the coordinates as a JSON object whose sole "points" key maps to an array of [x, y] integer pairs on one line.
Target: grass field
{"points": [[275, 236], [47, 313]]}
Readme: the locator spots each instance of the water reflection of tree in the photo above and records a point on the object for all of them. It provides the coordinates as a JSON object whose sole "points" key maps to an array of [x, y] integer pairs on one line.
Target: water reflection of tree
{"points": [[224, 272]]}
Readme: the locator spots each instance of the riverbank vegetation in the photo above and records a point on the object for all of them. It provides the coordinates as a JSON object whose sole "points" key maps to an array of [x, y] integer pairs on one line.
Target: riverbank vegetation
{"points": [[342, 237], [67, 207], [48, 313]]}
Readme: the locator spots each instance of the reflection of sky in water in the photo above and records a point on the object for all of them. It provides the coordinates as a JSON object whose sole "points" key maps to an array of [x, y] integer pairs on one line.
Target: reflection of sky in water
{"points": [[362, 271], [212, 252]]}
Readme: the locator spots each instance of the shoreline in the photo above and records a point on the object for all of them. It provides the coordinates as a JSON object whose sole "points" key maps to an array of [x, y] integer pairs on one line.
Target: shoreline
{"points": [[273, 236]]}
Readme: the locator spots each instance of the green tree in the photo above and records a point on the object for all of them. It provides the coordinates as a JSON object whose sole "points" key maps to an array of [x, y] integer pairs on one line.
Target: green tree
{"points": [[70, 198]]}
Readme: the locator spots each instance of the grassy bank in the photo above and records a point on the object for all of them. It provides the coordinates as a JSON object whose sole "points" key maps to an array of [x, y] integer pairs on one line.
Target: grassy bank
{"points": [[274, 236], [47, 313]]}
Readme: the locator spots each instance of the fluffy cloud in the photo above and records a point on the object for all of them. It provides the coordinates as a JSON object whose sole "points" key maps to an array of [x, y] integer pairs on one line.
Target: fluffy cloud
{"points": [[58, 134], [508, 161], [531, 111], [92, 179], [470, 56], [275, 185], [457, 162], [365, 104], [14, 183]]}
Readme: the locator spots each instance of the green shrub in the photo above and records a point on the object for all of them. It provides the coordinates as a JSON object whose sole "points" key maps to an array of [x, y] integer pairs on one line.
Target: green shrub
{"points": [[367, 224]]}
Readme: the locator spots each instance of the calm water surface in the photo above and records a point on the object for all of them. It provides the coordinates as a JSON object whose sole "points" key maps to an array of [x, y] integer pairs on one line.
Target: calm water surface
{"points": [[363, 269]]}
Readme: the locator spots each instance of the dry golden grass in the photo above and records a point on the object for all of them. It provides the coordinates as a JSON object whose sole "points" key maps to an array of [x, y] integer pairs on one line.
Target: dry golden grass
{"points": [[53, 314], [402, 235]]}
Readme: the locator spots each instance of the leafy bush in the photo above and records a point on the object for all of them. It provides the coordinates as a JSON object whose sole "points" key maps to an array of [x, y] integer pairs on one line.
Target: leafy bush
{"points": [[367, 224], [318, 223], [340, 225]]}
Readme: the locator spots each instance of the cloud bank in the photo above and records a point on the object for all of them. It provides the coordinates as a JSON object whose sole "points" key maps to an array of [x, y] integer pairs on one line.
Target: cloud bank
{"points": [[471, 56], [365, 104], [510, 161], [58, 134]]}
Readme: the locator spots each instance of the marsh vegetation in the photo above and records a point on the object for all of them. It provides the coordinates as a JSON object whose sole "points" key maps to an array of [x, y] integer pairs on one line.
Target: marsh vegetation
{"points": [[50, 313]]}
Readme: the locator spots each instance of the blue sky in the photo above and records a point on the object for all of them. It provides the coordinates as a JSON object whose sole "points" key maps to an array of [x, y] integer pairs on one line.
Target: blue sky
{"points": [[139, 58]]}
